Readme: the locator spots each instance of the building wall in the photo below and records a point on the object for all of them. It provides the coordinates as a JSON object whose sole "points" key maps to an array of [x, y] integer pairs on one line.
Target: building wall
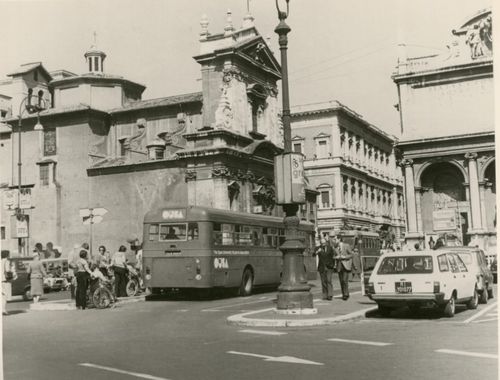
{"points": [[453, 100], [344, 170]]}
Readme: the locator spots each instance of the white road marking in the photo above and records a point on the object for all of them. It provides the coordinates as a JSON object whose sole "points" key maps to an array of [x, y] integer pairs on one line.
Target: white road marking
{"points": [[466, 353], [283, 359], [263, 332], [111, 369], [478, 314], [485, 320], [492, 314], [360, 342], [238, 304]]}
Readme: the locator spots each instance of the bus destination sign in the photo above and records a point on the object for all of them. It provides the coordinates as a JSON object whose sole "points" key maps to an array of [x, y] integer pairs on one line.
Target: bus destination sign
{"points": [[174, 214]]}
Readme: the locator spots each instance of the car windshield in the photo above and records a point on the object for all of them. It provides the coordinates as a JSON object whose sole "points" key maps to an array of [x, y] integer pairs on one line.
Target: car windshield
{"points": [[466, 257], [405, 265]]}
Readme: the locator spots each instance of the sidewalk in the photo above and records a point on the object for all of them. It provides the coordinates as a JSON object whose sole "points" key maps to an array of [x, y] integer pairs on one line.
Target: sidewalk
{"points": [[325, 313], [69, 304]]}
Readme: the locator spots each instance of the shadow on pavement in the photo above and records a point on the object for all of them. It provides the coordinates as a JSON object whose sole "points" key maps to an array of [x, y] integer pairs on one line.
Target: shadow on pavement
{"points": [[203, 294], [422, 314]]}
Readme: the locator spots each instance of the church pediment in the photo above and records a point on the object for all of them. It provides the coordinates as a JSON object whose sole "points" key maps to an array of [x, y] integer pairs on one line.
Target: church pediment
{"points": [[257, 51]]}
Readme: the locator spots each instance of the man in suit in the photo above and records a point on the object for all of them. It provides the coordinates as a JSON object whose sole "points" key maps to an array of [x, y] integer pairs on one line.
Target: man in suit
{"points": [[344, 264], [325, 268]]}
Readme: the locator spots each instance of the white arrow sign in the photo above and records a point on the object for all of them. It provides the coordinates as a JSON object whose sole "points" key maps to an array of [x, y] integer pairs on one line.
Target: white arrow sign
{"points": [[94, 219], [84, 212], [283, 359], [99, 211]]}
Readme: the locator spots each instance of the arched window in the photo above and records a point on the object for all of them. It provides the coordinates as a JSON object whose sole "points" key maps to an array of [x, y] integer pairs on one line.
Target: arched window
{"points": [[40, 98]]}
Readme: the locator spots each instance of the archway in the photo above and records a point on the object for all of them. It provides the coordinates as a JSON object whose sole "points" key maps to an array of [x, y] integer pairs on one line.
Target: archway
{"points": [[443, 207]]}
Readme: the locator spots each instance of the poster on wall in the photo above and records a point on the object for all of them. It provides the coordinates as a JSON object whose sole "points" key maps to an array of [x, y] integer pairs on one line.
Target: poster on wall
{"points": [[19, 226], [444, 220]]}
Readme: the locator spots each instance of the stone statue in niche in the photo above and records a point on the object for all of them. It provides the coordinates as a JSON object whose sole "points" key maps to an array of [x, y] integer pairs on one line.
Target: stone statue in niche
{"points": [[224, 112]]}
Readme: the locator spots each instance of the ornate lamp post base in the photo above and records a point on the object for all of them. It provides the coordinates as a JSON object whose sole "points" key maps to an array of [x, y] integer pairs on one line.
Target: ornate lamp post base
{"points": [[294, 291]]}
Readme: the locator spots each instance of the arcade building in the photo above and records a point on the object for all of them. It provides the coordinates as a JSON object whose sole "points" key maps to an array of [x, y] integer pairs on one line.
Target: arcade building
{"points": [[446, 107]]}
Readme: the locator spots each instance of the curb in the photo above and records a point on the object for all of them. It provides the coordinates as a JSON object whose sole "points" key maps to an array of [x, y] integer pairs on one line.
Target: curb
{"points": [[70, 304], [242, 320]]}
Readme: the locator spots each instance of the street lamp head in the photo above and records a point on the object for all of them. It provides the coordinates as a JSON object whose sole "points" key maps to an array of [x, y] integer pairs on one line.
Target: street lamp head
{"points": [[281, 14]]}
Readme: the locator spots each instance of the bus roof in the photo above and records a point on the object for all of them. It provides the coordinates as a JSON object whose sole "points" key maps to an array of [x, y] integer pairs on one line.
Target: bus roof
{"points": [[196, 213]]}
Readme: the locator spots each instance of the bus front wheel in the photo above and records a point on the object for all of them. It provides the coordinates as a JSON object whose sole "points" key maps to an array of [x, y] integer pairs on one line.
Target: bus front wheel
{"points": [[246, 286]]}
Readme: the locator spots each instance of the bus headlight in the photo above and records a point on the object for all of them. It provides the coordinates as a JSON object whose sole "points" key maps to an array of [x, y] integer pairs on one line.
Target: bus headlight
{"points": [[197, 277], [147, 277]]}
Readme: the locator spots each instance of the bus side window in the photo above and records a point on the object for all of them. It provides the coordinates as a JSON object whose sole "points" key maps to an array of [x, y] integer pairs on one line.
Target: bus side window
{"points": [[228, 234], [154, 231], [217, 234], [193, 232]]}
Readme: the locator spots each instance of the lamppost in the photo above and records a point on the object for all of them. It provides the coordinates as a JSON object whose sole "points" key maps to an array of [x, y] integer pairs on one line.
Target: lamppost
{"points": [[294, 294], [27, 106]]}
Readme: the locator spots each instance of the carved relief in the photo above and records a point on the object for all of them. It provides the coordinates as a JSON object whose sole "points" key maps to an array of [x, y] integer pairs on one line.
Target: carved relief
{"points": [[220, 172], [406, 162], [134, 142], [190, 175], [479, 38]]}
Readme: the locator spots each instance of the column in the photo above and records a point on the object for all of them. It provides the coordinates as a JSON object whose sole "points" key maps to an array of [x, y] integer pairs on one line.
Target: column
{"points": [[482, 190], [411, 211], [356, 194], [362, 158], [349, 193], [394, 214], [365, 195], [346, 145], [475, 204], [337, 189], [337, 141]]}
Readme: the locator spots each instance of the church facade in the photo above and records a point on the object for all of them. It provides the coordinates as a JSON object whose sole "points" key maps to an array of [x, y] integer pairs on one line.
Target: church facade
{"points": [[446, 107], [102, 146]]}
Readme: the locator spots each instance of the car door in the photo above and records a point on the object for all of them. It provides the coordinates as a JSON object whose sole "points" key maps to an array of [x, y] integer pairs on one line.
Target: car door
{"points": [[467, 281], [455, 277], [485, 271]]}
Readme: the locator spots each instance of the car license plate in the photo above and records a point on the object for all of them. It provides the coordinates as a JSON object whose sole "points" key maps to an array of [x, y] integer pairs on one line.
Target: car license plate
{"points": [[403, 287]]}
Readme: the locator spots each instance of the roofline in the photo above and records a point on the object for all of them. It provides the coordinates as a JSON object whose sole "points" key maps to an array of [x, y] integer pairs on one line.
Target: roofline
{"points": [[94, 78], [446, 138], [337, 106], [132, 108]]}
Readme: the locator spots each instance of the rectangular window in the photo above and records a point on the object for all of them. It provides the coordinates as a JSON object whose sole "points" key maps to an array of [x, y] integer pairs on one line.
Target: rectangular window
{"points": [[297, 147], [49, 142], [443, 263], [322, 149], [406, 265], [173, 232], [44, 175], [154, 232], [2, 233], [325, 199]]}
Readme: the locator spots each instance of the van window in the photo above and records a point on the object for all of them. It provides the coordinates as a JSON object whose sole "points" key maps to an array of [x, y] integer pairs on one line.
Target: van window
{"points": [[443, 263], [406, 265]]}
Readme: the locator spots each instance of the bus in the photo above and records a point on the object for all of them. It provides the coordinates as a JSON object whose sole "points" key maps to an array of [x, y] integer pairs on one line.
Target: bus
{"points": [[197, 248], [368, 244]]}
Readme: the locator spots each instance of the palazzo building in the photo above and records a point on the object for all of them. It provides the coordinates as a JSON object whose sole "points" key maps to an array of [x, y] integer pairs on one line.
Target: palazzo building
{"points": [[352, 164], [103, 146], [446, 107]]}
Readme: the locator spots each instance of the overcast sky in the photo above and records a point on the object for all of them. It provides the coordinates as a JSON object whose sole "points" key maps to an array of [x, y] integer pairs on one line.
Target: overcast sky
{"points": [[338, 49]]}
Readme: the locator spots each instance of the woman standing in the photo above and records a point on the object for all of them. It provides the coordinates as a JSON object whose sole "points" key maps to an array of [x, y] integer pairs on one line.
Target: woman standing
{"points": [[82, 280], [119, 264], [37, 273], [103, 260]]}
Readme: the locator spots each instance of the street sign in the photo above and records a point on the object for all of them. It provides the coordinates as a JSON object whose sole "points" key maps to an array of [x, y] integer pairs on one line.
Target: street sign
{"points": [[19, 226], [444, 220], [289, 178], [92, 215], [99, 211], [10, 199]]}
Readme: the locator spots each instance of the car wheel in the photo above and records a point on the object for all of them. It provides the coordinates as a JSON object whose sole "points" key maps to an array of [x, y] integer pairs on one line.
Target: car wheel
{"points": [[483, 297], [490, 293], [246, 286], [472, 304], [449, 308], [27, 295], [384, 310]]}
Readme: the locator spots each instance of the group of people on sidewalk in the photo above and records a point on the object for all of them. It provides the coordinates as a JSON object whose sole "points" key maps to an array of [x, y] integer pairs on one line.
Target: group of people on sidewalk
{"points": [[336, 256], [85, 268]]}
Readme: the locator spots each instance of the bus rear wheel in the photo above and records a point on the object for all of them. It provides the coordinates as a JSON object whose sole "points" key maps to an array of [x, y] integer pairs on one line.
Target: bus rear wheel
{"points": [[246, 286]]}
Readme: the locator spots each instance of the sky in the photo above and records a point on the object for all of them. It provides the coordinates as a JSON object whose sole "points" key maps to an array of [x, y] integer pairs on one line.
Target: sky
{"points": [[344, 50]]}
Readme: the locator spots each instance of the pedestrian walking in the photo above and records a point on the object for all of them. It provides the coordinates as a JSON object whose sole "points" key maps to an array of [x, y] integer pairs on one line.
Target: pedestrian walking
{"points": [[356, 264], [36, 271], [73, 257], [119, 264], [82, 280], [8, 275], [344, 265], [325, 268]]}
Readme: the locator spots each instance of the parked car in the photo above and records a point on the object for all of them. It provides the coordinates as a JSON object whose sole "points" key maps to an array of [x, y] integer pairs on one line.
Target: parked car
{"points": [[57, 273], [21, 285], [493, 268], [422, 279], [475, 260]]}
